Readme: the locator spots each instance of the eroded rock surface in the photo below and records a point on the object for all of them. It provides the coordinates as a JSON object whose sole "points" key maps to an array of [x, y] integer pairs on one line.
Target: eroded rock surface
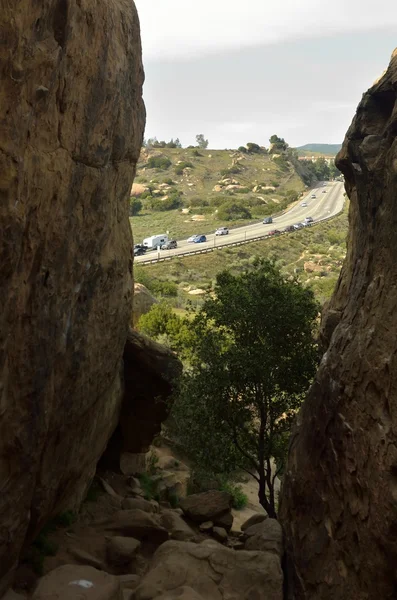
{"points": [[71, 127], [209, 571], [339, 501]]}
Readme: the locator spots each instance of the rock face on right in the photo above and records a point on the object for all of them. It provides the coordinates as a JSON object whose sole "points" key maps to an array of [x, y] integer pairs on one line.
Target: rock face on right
{"points": [[339, 498]]}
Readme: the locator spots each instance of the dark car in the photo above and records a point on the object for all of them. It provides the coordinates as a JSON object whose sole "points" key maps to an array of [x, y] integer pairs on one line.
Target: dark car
{"points": [[268, 220], [170, 245], [200, 238], [289, 228], [274, 232], [139, 250]]}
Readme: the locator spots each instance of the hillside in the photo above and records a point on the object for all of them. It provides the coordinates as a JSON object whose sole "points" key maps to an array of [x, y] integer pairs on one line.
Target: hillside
{"points": [[319, 149], [314, 254], [178, 188]]}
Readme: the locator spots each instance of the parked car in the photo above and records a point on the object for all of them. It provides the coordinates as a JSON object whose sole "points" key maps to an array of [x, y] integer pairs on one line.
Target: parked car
{"points": [[303, 203], [170, 245], [222, 231], [309, 219], [139, 250], [289, 228], [191, 239], [274, 232], [199, 239], [268, 220], [298, 226]]}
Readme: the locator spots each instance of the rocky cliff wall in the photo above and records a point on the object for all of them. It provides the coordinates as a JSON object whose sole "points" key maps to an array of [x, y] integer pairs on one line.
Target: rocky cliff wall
{"points": [[339, 500], [71, 126]]}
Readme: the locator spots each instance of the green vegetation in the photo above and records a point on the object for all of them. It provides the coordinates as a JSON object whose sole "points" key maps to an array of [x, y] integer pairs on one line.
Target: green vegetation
{"points": [[314, 254], [201, 141], [231, 211], [149, 487], [202, 181], [135, 206], [159, 162], [251, 356], [240, 500]]}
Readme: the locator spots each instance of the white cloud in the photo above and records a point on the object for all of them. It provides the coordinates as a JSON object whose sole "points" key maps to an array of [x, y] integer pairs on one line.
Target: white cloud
{"points": [[180, 29]]}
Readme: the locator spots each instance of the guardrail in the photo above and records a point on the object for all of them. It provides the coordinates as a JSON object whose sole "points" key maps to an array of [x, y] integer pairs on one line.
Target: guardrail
{"points": [[231, 244]]}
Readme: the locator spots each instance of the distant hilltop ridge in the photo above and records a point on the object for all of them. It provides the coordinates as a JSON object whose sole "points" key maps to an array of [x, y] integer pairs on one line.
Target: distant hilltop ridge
{"points": [[323, 149]]}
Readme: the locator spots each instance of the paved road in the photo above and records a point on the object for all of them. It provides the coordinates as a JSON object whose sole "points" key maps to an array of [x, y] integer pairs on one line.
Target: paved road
{"points": [[323, 206]]}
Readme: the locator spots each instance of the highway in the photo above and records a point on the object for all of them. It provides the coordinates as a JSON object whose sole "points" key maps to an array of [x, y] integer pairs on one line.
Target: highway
{"points": [[325, 205]]}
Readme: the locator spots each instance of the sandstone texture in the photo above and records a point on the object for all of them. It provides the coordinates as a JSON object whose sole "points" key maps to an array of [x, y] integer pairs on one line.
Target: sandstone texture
{"points": [[71, 126], [142, 303], [206, 506], [209, 571], [71, 581], [339, 497]]}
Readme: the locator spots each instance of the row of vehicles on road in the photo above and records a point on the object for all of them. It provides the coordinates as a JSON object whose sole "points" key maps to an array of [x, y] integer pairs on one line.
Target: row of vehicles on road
{"points": [[162, 242]]}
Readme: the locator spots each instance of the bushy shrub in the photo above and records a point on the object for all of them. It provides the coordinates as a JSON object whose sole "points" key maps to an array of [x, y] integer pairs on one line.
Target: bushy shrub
{"points": [[231, 170], [230, 211], [164, 288], [159, 162], [183, 165], [197, 202], [135, 206], [240, 499], [171, 203], [253, 148]]}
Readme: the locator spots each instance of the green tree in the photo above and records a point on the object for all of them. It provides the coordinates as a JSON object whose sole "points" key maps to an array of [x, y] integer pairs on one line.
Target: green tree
{"points": [[253, 358], [231, 211], [135, 206], [163, 324], [201, 141], [277, 145]]}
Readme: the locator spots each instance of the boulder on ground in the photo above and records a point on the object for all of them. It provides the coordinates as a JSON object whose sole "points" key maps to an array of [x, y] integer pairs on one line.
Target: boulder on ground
{"points": [[206, 506], [266, 536], [141, 504], [135, 523], [176, 526], [206, 527], [220, 534], [120, 550], [225, 520], [213, 572], [73, 581], [254, 520]]}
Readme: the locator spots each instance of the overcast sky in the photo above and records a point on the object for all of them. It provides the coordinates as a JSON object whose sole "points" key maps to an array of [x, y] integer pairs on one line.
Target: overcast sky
{"points": [[241, 71]]}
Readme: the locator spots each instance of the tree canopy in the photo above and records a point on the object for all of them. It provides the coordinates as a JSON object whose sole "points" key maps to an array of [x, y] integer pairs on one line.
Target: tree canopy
{"points": [[252, 359]]}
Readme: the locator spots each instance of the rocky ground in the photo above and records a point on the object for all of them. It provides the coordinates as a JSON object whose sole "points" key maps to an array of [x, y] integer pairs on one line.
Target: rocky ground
{"points": [[121, 543]]}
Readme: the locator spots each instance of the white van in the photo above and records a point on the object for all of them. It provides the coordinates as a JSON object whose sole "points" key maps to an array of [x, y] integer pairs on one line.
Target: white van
{"points": [[155, 240]]}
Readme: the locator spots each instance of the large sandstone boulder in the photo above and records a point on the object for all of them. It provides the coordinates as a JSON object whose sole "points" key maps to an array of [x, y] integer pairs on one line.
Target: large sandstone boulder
{"points": [[339, 500], [135, 523], [72, 581], [206, 506], [142, 303], [72, 121], [266, 536], [209, 571]]}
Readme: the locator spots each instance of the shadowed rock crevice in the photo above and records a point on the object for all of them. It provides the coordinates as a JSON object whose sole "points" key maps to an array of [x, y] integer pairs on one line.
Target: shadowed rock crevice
{"points": [[339, 495]]}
